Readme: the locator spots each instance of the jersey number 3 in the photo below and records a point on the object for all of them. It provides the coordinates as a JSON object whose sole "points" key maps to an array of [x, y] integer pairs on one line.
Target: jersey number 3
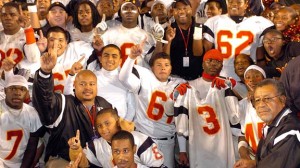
{"points": [[18, 134], [210, 117]]}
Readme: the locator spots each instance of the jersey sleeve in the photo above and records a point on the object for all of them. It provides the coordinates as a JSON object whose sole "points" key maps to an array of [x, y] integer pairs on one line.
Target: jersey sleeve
{"points": [[131, 106], [90, 153], [127, 78], [208, 30], [147, 150], [48, 104], [181, 113], [68, 86]]}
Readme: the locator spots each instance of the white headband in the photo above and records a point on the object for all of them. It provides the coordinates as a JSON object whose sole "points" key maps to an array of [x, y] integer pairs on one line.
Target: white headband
{"points": [[16, 80], [256, 68]]}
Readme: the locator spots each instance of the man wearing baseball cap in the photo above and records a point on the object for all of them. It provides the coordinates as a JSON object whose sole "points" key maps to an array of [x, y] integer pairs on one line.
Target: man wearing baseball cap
{"points": [[18, 121]]}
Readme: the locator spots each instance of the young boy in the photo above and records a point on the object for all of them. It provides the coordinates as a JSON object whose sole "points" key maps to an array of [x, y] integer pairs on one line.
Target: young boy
{"points": [[98, 152]]}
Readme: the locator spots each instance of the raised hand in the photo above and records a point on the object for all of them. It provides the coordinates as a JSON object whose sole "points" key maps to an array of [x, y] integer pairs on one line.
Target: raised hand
{"points": [[102, 26], [8, 63], [126, 125], [74, 142], [137, 50], [170, 33], [76, 67], [97, 42], [48, 59], [158, 31], [42, 42], [23, 20]]}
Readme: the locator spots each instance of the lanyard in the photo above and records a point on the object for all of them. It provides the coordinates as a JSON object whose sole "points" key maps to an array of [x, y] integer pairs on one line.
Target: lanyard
{"points": [[185, 40], [91, 115]]}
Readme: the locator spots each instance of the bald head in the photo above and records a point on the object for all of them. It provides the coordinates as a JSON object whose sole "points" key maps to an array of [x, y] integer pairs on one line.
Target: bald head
{"points": [[85, 86]]}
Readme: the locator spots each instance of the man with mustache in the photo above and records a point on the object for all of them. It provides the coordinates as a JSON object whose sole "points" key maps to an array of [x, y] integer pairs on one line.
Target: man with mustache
{"points": [[61, 114]]}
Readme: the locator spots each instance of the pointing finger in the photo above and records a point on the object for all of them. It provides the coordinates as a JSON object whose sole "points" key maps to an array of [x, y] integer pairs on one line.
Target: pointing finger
{"points": [[103, 18], [41, 34], [12, 53], [77, 134], [83, 56], [156, 19], [20, 10], [142, 44]]}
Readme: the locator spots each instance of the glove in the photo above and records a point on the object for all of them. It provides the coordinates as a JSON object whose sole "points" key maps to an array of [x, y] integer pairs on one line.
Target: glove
{"points": [[180, 89], [222, 82], [102, 26]]}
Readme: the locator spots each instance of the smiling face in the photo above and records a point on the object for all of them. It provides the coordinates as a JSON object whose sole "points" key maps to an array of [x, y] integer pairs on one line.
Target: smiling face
{"points": [[107, 125], [61, 41], [283, 18], [273, 43], [110, 58], [85, 86], [15, 96], [182, 13], [236, 7], [57, 16]]}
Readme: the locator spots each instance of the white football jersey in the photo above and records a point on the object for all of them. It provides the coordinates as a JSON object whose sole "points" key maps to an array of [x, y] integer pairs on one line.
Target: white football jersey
{"points": [[26, 56], [147, 152], [251, 124], [125, 38], [154, 112], [206, 124], [15, 129], [235, 38], [74, 51]]}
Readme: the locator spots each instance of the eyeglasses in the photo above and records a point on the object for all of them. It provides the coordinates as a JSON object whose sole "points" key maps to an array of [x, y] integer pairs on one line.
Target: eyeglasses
{"points": [[265, 99], [271, 40]]}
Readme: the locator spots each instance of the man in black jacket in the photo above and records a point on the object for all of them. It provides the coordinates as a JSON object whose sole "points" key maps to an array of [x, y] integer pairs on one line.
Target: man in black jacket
{"points": [[64, 114], [279, 146]]}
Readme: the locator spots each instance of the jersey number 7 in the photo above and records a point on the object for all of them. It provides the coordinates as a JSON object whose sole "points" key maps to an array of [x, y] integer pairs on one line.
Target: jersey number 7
{"points": [[18, 134]]}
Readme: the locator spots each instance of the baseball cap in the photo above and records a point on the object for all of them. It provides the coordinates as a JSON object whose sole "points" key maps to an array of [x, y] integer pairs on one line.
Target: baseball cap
{"points": [[186, 2], [16, 80], [213, 54], [256, 68], [57, 4]]}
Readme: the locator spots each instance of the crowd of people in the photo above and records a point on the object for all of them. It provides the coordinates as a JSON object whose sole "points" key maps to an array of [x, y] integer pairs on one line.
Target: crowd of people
{"points": [[149, 83]]}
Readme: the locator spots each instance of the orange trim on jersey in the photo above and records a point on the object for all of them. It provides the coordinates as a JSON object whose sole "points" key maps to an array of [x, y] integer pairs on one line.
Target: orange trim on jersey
{"points": [[29, 33], [250, 137]]}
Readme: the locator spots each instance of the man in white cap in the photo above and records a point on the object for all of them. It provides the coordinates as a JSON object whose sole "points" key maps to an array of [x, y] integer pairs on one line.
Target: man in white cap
{"points": [[20, 125]]}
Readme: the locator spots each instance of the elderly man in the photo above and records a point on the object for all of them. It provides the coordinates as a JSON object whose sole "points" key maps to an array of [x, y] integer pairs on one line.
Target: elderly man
{"points": [[279, 145], [20, 125]]}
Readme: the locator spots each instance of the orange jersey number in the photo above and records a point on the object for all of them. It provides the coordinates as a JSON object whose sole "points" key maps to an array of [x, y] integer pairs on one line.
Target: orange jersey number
{"points": [[249, 135], [18, 134], [154, 105], [210, 117], [228, 46], [17, 56], [125, 51]]}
